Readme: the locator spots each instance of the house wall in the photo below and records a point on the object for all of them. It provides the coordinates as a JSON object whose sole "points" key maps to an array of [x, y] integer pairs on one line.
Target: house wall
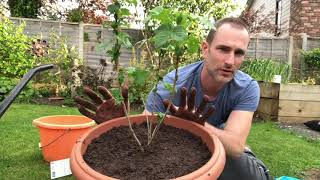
{"points": [[305, 18], [269, 8]]}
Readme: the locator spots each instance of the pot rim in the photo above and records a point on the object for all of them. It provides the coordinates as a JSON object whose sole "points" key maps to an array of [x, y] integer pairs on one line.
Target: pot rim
{"points": [[217, 150]]}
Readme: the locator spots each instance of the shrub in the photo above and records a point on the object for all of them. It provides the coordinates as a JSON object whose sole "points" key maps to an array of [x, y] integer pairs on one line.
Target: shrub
{"points": [[65, 57], [7, 84], [15, 56], [75, 15], [312, 58], [265, 69]]}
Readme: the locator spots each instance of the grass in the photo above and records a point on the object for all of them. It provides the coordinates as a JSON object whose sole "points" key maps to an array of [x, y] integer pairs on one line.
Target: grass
{"points": [[285, 153], [20, 158]]}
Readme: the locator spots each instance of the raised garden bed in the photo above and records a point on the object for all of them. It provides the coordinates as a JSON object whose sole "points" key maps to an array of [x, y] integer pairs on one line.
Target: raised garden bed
{"points": [[289, 103]]}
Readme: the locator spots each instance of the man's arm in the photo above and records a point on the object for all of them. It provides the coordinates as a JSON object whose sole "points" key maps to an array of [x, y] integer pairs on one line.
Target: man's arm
{"points": [[235, 133]]}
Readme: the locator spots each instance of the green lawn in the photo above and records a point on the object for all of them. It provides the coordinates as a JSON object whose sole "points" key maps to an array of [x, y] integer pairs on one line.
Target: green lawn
{"points": [[283, 152], [20, 158]]}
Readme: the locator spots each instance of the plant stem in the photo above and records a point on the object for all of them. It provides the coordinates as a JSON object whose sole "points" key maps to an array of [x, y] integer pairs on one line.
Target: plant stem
{"points": [[130, 127], [170, 100], [149, 124]]}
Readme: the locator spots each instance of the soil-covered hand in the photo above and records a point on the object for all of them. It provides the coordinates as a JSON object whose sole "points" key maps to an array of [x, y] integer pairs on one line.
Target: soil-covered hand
{"points": [[100, 109], [187, 109]]}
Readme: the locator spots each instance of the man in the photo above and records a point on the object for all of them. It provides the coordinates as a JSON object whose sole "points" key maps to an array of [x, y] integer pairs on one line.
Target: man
{"points": [[234, 94], [218, 82]]}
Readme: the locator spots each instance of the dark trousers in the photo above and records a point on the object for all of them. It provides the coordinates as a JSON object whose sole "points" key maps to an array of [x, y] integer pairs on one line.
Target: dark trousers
{"points": [[247, 167]]}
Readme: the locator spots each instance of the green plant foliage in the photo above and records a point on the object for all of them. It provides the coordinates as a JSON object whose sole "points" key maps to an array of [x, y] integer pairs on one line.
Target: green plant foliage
{"points": [[312, 58], [265, 69], [15, 58], [175, 37], [138, 78], [64, 56], [86, 37], [75, 15], [213, 8], [7, 84], [176, 30], [120, 20], [24, 8]]}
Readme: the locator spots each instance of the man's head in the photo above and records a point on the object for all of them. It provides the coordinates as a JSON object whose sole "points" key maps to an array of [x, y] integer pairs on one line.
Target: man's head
{"points": [[224, 49]]}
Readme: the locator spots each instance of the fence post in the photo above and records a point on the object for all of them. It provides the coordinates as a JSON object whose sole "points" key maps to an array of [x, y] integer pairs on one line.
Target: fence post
{"points": [[290, 51], [75, 73], [271, 50], [81, 40], [304, 41], [304, 47], [256, 48]]}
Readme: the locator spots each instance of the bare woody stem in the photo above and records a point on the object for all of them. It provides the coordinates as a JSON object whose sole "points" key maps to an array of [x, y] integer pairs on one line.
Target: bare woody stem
{"points": [[149, 124], [130, 127], [158, 125], [170, 100]]}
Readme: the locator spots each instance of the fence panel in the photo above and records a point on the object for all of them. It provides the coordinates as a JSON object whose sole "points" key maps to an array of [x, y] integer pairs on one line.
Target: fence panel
{"points": [[275, 48]]}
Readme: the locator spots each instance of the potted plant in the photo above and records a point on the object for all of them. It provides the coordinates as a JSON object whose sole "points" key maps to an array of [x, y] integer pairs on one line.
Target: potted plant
{"points": [[168, 142]]}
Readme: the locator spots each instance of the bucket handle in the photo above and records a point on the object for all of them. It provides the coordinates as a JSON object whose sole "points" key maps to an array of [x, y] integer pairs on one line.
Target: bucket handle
{"points": [[57, 138]]}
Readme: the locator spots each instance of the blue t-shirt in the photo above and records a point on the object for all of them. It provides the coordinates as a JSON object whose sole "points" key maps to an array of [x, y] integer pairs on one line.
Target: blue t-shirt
{"points": [[241, 93]]}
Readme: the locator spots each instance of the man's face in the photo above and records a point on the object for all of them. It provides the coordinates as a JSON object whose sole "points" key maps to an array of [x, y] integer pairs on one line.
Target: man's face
{"points": [[224, 56]]}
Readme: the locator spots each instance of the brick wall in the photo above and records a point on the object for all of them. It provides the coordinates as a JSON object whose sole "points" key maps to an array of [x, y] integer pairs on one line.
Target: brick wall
{"points": [[305, 17]]}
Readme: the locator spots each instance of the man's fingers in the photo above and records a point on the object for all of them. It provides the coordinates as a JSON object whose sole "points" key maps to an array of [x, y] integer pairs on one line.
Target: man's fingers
{"points": [[183, 100], [203, 104], [172, 109], [125, 91], [85, 103], [87, 113], [125, 95], [105, 92], [192, 99], [92, 95], [209, 112]]}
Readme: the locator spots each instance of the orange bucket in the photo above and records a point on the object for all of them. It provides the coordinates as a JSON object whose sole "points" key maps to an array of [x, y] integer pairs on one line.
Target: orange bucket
{"points": [[59, 133]]}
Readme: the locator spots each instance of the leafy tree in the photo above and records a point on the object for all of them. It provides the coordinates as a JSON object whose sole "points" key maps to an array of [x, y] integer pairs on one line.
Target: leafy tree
{"points": [[24, 8], [214, 8]]}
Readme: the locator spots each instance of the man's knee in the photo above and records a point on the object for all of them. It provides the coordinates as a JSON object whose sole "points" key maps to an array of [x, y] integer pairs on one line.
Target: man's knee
{"points": [[245, 167]]}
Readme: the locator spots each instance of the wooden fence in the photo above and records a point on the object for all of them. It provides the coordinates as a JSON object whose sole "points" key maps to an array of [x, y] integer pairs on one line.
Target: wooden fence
{"points": [[86, 37]]}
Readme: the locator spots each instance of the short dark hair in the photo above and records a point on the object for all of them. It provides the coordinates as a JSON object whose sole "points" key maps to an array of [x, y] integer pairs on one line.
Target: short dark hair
{"points": [[229, 20]]}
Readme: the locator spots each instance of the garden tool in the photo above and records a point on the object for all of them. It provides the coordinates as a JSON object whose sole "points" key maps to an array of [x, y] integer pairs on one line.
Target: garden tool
{"points": [[19, 87]]}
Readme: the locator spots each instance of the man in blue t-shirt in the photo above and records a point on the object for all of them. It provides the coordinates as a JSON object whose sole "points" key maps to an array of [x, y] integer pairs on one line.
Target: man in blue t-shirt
{"points": [[233, 94], [217, 81]]}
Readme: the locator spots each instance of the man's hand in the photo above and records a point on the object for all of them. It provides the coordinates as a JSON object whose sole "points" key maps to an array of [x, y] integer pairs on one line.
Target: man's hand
{"points": [[99, 109], [187, 109]]}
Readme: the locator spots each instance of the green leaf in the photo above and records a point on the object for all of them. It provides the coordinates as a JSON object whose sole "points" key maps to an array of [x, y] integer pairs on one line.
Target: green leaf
{"points": [[167, 35], [193, 44], [134, 2], [124, 12], [161, 14], [113, 8], [104, 46], [160, 116], [121, 76], [124, 39], [170, 88], [139, 75]]}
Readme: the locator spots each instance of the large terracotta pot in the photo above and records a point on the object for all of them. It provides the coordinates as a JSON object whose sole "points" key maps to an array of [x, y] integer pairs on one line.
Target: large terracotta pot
{"points": [[211, 170]]}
